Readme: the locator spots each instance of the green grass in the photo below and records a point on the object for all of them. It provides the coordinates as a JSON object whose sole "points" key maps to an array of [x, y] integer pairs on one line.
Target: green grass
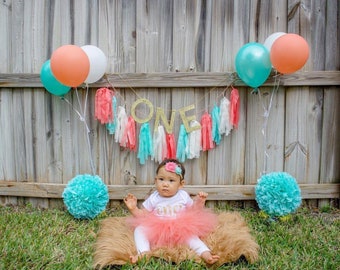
{"points": [[52, 239]]}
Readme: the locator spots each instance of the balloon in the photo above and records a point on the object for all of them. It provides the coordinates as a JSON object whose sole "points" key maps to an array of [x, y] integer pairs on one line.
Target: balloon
{"points": [[252, 64], [97, 63], [289, 53], [51, 84], [70, 65], [268, 43]]}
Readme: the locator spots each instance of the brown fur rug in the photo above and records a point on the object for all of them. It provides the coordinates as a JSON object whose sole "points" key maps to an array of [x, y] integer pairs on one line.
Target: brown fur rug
{"points": [[231, 240]]}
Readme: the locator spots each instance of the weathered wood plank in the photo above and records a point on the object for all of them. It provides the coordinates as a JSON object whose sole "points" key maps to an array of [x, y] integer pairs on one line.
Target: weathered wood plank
{"points": [[7, 159], [153, 53], [331, 97], [180, 79], [117, 192], [224, 46], [265, 109], [300, 152], [188, 45]]}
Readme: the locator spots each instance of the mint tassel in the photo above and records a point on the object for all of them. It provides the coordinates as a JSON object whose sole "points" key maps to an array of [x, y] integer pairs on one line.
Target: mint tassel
{"points": [[215, 115], [182, 144], [145, 148], [111, 127]]}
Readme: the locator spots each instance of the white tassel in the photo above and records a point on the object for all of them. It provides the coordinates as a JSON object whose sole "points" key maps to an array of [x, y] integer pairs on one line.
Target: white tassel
{"points": [[194, 141], [225, 125], [159, 144], [122, 121]]}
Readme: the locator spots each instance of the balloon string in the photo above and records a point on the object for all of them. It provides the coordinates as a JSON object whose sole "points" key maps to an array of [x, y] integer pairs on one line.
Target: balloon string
{"points": [[88, 133], [265, 121], [82, 118]]}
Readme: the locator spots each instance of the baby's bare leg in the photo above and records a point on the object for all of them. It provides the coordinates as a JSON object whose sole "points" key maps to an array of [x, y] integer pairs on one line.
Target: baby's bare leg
{"points": [[202, 250], [142, 244]]}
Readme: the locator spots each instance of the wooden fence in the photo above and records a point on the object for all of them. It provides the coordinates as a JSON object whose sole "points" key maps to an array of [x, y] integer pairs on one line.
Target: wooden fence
{"points": [[175, 54]]}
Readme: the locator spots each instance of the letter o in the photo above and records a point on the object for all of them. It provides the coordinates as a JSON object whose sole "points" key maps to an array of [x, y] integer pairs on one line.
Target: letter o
{"points": [[133, 110]]}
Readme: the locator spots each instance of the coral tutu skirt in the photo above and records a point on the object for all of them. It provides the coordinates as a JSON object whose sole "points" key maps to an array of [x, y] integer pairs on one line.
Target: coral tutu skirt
{"points": [[172, 231]]}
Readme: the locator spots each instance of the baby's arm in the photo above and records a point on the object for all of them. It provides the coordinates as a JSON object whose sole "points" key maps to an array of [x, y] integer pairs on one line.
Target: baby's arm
{"points": [[200, 199], [131, 203]]}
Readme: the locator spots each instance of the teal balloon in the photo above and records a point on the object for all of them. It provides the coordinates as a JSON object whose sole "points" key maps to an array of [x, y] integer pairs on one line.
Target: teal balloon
{"points": [[51, 84], [253, 64]]}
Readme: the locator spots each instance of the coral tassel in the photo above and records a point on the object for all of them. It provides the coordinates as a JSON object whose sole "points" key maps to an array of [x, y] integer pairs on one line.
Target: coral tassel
{"points": [[182, 144], [103, 105], [234, 107], [145, 148], [171, 145], [129, 136], [206, 124], [159, 144]]}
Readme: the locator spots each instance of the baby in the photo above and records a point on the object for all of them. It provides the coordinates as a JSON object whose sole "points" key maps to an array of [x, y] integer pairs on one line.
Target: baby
{"points": [[170, 217]]}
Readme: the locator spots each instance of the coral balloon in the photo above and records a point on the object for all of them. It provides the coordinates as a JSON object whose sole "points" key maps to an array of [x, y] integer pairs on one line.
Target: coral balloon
{"points": [[70, 65], [51, 84], [252, 64], [289, 53], [98, 63]]}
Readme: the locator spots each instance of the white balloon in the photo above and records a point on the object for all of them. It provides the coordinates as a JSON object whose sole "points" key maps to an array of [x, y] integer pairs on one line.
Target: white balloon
{"points": [[271, 39], [98, 63]]}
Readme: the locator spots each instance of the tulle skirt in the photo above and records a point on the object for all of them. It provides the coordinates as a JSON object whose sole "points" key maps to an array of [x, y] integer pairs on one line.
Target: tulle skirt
{"points": [[169, 231]]}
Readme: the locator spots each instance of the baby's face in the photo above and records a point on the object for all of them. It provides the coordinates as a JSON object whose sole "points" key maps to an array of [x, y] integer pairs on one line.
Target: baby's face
{"points": [[168, 183]]}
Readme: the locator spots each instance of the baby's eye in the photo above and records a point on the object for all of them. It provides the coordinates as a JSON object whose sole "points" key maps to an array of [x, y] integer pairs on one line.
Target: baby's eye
{"points": [[160, 179], [172, 181]]}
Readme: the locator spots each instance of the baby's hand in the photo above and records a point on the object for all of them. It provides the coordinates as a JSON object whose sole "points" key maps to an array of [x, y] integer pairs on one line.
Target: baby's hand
{"points": [[202, 195], [201, 198], [130, 201]]}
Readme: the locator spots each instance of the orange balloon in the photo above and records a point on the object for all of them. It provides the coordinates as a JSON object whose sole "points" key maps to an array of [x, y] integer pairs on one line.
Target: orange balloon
{"points": [[289, 53], [70, 65]]}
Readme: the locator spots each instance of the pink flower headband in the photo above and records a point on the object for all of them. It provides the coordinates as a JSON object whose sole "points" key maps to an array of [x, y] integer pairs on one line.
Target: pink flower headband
{"points": [[173, 167]]}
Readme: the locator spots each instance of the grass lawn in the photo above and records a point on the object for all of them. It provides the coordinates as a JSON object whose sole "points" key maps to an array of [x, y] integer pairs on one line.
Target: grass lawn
{"points": [[52, 239]]}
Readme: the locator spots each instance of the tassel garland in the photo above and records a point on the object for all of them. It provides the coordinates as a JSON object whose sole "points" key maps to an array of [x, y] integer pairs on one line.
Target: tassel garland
{"points": [[129, 135], [182, 144], [234, 107], [159, 144], [215, 114], [145, 148], [225, 125], [103, 105], [171, 145], [194, 141], [206, 124], [111, 127]]}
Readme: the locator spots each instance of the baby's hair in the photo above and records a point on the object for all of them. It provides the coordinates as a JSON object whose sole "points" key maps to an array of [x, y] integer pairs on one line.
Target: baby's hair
{"points": [[165, 161]]}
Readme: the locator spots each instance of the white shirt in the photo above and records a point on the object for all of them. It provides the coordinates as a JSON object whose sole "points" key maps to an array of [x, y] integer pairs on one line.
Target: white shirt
{"points": [[167, 206]]}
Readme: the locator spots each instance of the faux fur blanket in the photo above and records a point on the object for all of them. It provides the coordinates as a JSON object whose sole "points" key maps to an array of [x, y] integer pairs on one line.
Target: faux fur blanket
{"points": [[230, 240]]}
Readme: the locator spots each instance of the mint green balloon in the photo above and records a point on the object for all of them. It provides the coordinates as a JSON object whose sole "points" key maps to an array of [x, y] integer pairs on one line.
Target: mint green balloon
{"points": [[51, 84], [253, 64]]}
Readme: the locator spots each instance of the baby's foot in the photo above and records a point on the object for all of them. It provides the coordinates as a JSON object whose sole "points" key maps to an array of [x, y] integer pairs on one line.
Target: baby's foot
{"points": [[135, 258], [209, 258]]}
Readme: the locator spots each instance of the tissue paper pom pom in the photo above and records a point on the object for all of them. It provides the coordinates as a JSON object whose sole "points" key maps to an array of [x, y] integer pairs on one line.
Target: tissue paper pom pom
{"points": [[86, 196], [278, 194]]}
